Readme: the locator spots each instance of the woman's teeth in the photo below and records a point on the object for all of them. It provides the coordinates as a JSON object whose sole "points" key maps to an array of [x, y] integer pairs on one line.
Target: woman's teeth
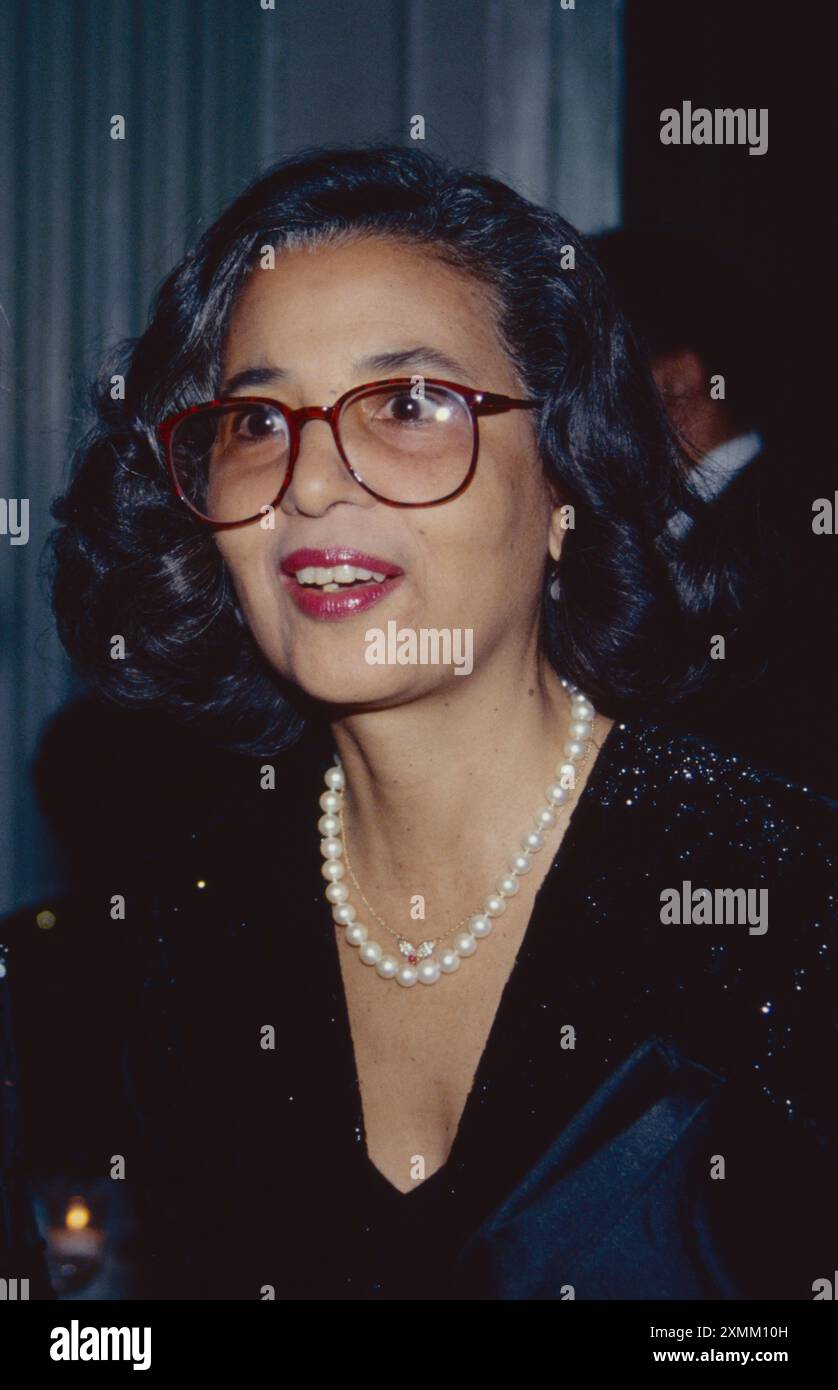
{"points": [[339, 576]]}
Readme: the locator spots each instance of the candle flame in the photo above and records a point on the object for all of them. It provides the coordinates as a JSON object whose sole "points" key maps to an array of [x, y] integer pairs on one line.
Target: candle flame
{"points": [[78, 1215]]}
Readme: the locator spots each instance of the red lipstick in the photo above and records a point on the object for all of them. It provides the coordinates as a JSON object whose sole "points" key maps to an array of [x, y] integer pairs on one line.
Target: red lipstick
{"points": [[335, 605], [337, 555]]}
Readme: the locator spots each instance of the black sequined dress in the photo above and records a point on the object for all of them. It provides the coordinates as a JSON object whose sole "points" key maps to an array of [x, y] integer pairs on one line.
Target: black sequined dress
{"points": [[653, 1116]]}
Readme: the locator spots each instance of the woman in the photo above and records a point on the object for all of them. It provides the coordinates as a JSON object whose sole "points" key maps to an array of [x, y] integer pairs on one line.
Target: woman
{"points": [[428, 1008]]}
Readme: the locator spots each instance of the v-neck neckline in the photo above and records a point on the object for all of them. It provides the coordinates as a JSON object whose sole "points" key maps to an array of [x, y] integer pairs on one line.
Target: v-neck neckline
{"points": [[515, 982]]}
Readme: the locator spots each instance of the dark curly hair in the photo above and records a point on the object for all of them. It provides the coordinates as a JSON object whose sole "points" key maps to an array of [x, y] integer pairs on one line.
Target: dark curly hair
{"points": [[630, 623]]}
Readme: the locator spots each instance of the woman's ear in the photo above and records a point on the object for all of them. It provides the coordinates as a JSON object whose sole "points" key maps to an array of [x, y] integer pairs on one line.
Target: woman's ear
{"points": [[558, 527]]}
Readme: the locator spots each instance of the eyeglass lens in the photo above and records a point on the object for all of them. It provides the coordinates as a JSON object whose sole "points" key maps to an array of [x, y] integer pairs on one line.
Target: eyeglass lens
{"points": [[407, 445]]}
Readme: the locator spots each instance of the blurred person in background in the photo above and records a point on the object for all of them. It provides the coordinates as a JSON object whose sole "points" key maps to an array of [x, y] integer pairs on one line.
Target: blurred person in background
{"points": [[714, 343]]}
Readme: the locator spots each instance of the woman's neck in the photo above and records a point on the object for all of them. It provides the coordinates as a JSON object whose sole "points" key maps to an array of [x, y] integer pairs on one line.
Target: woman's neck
{"points": [[440, 791]]}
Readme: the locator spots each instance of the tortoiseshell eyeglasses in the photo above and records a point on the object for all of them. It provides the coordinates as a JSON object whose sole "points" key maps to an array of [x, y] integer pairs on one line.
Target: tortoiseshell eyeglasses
{"points": [[409, 441]]}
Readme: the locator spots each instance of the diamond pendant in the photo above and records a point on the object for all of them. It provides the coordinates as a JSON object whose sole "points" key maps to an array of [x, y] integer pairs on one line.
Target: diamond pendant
{"points": [[415, 953]]}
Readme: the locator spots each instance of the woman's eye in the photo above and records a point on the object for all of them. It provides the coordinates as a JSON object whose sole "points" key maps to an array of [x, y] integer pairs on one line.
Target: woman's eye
{"points": [[407, 409], [257, 424]]}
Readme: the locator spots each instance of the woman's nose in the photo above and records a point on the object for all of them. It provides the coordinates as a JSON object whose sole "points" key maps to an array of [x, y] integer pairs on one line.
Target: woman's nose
{"points": [[319, 472]]}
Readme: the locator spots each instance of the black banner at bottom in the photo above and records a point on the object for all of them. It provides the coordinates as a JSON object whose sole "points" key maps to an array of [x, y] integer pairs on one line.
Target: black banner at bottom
{"points": [[69, 1336]]}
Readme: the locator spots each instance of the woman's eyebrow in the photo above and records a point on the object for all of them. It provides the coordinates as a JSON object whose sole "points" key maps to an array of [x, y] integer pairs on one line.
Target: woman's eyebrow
{"points": [[270, 375], [253, 376], [413, 356]]}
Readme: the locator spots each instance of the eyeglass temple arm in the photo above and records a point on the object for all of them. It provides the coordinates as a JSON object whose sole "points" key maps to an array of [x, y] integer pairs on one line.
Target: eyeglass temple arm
{"points": [[493, 404]]}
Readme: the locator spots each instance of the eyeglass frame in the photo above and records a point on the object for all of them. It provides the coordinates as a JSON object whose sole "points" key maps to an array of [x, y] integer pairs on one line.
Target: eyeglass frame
{"points": [[478, 403]]}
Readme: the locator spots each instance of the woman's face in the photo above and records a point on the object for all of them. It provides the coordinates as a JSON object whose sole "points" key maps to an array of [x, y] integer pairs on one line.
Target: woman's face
{"points": [[475, 562]]}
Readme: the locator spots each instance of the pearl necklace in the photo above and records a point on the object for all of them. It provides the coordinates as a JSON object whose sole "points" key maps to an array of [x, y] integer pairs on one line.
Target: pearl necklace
{"points": [[419, 963]]}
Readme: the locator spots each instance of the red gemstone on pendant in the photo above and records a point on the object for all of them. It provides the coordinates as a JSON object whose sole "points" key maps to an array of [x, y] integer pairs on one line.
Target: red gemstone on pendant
{"points": [[413, 959]]}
